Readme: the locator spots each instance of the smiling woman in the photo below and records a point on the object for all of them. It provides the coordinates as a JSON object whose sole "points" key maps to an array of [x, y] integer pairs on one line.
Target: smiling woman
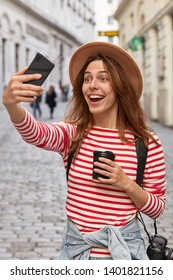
{"points": [[104, 114]]}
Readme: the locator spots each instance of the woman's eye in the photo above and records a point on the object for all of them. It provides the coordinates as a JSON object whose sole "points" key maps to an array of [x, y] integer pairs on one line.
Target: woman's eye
{"points": [[87, 79], [104, 79]]}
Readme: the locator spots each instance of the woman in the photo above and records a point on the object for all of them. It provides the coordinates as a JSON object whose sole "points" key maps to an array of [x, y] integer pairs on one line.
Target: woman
{"points": [[51, 100], [104, 114]]}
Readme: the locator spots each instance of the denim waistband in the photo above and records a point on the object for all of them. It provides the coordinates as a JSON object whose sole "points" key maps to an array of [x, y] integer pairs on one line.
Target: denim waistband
{"points": [[123, 244]]}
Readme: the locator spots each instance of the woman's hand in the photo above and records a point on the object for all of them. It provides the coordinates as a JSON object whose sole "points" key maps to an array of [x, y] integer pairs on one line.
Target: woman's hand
{"points": [[116, 176], [119, 179], [17, 91]]}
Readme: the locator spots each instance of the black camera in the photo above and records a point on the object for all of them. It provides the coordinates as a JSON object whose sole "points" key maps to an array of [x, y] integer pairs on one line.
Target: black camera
{"points": [[157, 249]]}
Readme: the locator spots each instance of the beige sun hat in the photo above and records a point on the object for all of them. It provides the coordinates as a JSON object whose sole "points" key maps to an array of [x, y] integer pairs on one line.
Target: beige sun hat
{"points": [[128, 64]]}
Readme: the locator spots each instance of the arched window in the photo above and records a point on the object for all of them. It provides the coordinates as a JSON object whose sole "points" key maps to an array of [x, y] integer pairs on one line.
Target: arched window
{"points": [[141, 13], [142, 19], [131, 19]]}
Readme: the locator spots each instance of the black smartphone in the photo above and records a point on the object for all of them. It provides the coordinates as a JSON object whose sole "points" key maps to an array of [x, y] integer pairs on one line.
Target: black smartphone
{"points": [[41, 65]]}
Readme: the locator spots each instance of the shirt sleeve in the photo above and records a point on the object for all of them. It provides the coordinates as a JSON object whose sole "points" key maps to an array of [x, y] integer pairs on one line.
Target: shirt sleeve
{"points": [[154, 180], [53, 137]]}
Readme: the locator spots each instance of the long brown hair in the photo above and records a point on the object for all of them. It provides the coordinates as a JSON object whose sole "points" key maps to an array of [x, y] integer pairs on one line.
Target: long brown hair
{"points": [[130, 115]]}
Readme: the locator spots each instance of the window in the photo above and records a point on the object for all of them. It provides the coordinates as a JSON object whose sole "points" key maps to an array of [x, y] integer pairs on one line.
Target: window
{"points": [[61, 58], [110, 20], [142, 19], [17, 57], [131, 19], [3, 59], [27, 56], [62, 4], [111, 40], [68, 3]]}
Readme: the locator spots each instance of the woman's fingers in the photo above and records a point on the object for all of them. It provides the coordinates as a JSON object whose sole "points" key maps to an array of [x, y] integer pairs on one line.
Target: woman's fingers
{"points": [[105, 164], [29, 88], [24, 78], [22, 98], [21, 72], [26, 93]]}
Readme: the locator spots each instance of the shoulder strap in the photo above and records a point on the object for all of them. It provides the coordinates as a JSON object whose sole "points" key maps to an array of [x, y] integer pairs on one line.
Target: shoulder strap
{"points": [[141, 151], [70, 157]]}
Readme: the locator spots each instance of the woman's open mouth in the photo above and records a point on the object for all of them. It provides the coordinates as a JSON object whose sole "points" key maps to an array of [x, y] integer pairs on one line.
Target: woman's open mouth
{"points": [[96, 98]]}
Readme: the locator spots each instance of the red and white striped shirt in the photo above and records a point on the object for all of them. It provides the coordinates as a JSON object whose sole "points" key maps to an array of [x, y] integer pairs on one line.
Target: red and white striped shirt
{"points": [[91, 205]]}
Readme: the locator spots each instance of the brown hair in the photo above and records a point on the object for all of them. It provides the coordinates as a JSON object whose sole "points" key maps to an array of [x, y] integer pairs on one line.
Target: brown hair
{"points": [[130, 115]]}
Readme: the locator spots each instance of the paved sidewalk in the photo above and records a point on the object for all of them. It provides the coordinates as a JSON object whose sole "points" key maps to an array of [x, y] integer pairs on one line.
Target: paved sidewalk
{"points": [[32, 195], [165, 222], [33, 192]]}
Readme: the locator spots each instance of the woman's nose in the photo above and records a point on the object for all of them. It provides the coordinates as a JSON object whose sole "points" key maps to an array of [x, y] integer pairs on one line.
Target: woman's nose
{"points": [[94, 83]]}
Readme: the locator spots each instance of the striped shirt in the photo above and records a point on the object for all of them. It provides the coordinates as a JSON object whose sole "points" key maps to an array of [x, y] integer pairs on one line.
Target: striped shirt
{"points": [[91, 205]]}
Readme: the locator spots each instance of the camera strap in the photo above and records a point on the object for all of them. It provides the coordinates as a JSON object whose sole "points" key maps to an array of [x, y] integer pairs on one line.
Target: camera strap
{"points": [[141, 151]]}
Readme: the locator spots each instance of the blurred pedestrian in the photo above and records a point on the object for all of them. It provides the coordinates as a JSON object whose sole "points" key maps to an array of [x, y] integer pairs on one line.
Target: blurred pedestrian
{"points": [[65, 90], [51, 100], [37, 107]]}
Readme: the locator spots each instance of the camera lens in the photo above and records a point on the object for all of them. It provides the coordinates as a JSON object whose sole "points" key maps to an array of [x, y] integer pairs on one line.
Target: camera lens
{"points": [[106, 154], [169, 253], [155, 253], [156, 249]]}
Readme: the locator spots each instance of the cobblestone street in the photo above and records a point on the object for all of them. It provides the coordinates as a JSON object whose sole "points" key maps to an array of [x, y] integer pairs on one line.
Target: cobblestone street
{"points": [[33, 191], [165, 222], [32, 194]]}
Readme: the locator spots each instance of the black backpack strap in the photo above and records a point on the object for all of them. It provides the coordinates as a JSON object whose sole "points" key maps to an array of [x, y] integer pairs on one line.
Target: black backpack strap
{"points": [[70, 157], [141, 151]]}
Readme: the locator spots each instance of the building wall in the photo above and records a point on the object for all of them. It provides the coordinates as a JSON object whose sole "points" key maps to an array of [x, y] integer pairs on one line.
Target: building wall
{"points": [[153, 23], [55, 28]]}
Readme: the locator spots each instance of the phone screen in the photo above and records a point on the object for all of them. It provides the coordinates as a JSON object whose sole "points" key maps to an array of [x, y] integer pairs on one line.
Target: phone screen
{"points": [[41, 65]]}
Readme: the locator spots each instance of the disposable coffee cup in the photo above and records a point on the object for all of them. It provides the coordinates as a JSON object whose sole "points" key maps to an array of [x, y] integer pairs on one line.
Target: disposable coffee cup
{"points": [[106, 154]]}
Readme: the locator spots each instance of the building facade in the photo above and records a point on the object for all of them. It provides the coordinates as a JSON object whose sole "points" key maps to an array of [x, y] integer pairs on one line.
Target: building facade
{"points": [[146, 31], [106, 25], [55, 28]]}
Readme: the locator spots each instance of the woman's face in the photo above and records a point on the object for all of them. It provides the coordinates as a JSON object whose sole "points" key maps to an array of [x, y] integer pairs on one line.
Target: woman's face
{"points": [[97, 91]]}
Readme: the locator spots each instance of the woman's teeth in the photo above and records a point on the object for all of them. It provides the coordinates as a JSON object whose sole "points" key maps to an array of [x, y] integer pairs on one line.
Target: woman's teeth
{"points": [[96, 98]]}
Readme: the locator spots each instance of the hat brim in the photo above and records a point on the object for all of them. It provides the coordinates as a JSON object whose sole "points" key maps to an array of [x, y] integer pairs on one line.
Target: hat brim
{"points": [[128, 64]]}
